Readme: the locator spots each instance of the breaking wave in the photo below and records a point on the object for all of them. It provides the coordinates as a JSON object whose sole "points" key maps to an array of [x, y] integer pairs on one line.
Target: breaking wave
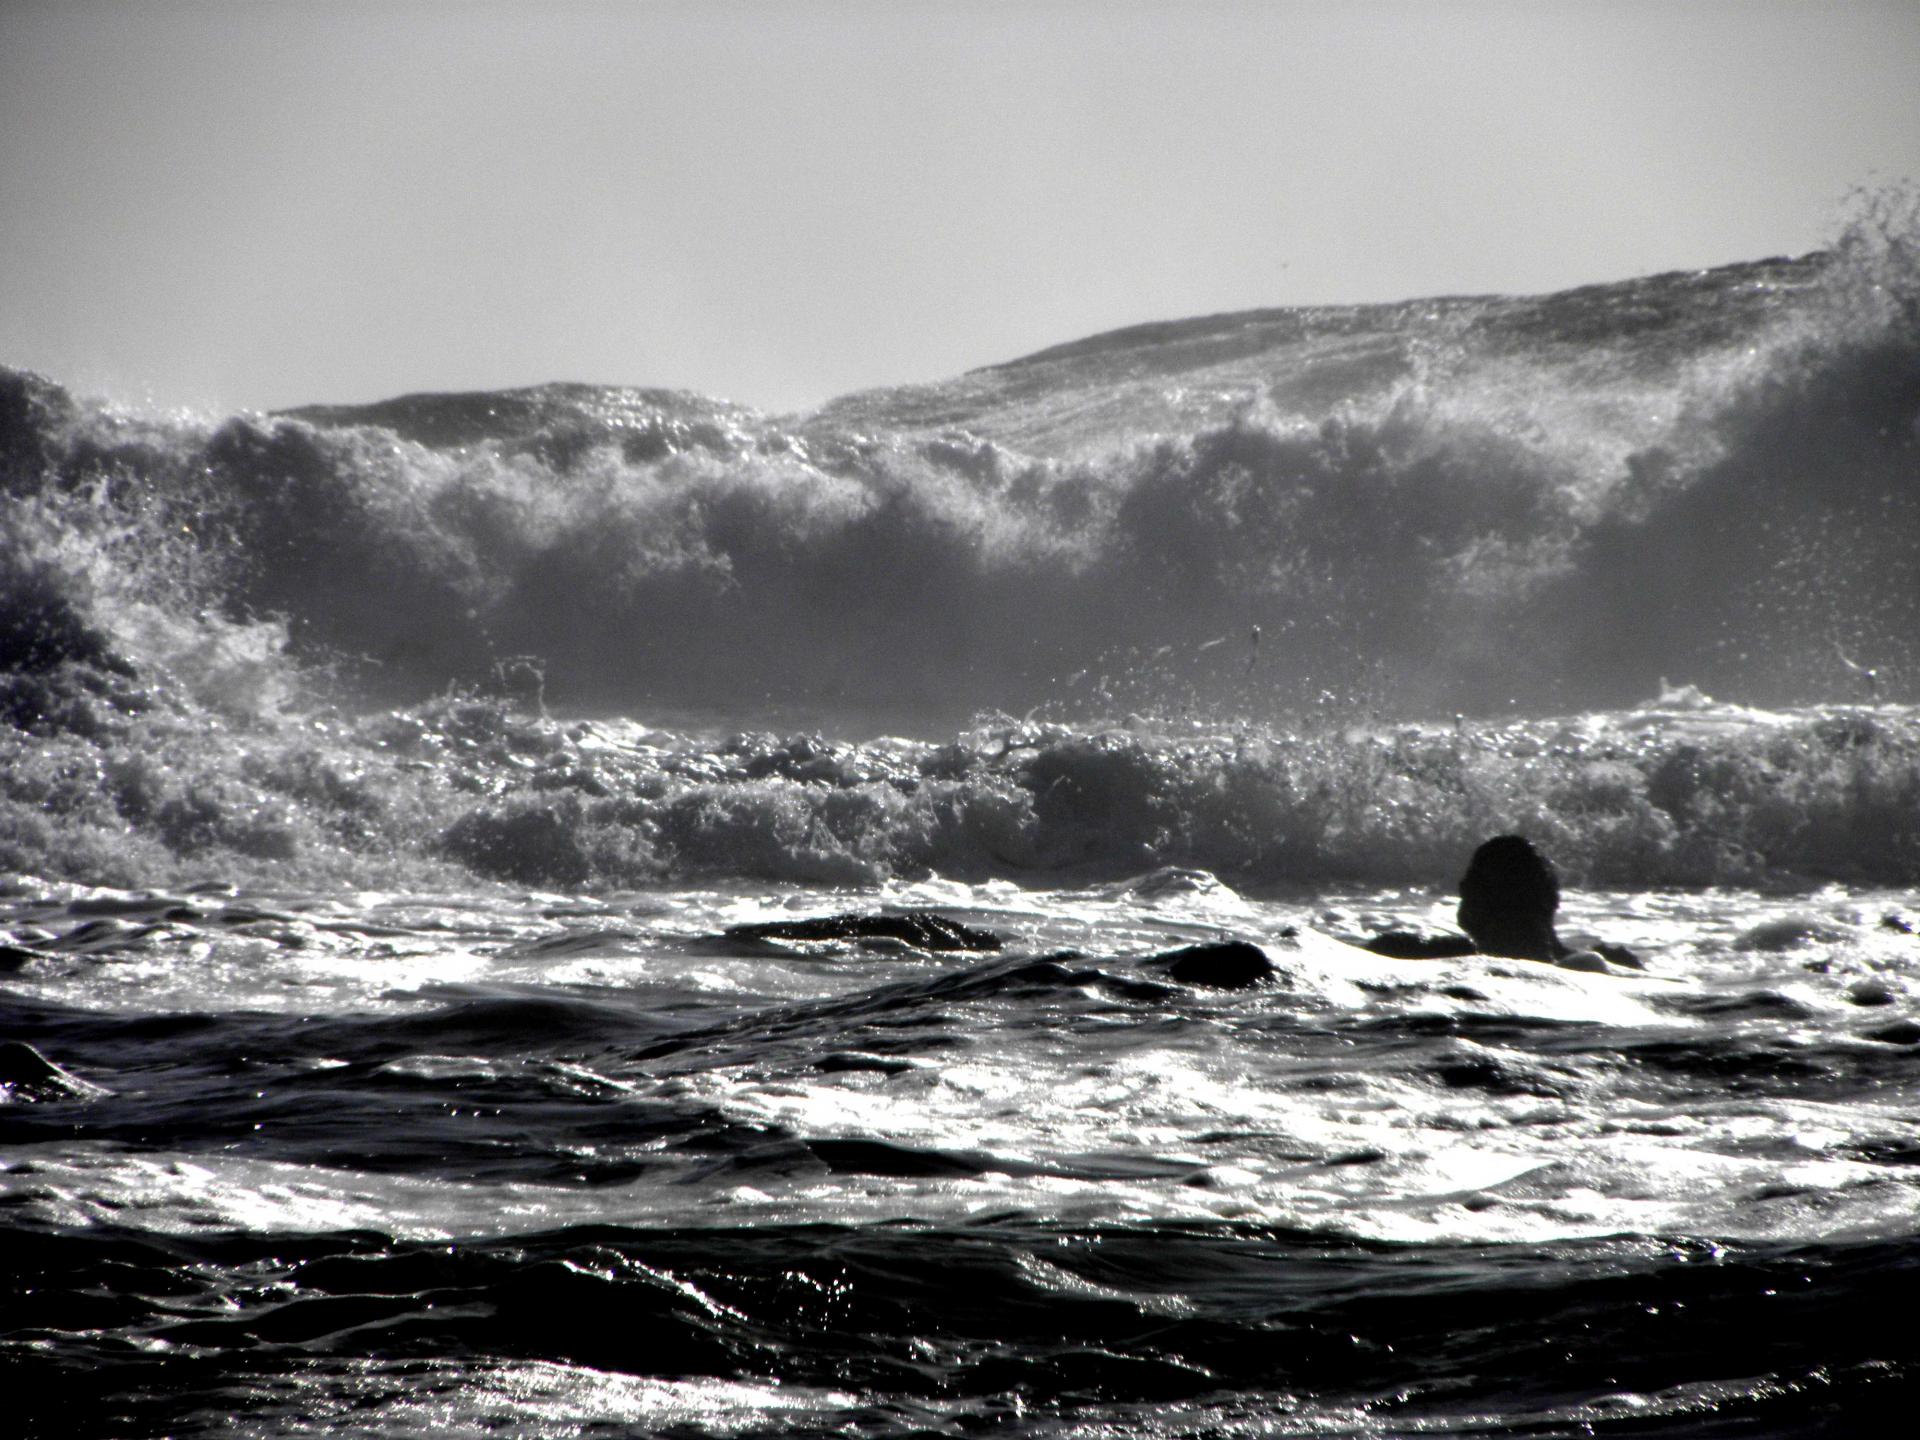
{"points": [[114, 785], [1211, 564], [1549, 502]]}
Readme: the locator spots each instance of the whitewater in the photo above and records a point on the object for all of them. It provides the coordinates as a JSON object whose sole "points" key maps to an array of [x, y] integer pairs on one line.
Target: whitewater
{"points": [[404, 809]]}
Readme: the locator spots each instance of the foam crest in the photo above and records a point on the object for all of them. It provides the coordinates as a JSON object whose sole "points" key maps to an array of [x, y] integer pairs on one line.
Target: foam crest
{"points": [[1500, 515], [462, 788], [1489, 506], [1722, 474]]}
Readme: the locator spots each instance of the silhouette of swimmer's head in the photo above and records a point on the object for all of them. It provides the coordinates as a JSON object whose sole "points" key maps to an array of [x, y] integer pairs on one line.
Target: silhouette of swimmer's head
{"points": [[1507, 900]]}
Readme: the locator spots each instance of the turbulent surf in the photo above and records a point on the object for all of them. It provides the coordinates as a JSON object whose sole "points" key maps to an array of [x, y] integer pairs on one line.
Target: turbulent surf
{"points": [[397, 802]]}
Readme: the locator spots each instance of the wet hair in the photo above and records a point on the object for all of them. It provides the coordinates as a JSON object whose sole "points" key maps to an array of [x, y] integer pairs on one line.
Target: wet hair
{"points": [[1508, 898]]}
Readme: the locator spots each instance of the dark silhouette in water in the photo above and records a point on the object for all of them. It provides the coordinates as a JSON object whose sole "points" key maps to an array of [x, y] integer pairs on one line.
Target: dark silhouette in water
{"points": [[1508, 899], [1216, 965]]}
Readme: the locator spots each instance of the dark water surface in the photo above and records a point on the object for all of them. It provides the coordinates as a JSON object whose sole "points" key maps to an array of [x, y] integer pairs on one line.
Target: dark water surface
{"points": [[476, 1164]]}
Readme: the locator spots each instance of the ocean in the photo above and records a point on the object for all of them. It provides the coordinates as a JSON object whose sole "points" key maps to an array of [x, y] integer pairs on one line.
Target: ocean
{"points": [[405, 809]]}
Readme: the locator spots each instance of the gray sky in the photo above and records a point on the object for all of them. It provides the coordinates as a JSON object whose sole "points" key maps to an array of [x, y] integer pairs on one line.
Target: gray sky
{"points": [[261, 204]]}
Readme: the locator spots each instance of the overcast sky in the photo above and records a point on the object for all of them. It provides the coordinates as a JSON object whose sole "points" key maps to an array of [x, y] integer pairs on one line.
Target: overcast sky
{"points": [[262, 204]]}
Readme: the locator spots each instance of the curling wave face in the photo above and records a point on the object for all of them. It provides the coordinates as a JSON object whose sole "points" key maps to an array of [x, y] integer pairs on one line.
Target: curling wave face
{"points": [[1445, 505]]}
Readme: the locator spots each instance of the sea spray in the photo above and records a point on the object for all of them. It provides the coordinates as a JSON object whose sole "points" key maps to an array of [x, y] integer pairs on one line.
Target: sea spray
{"points": [[173, 794], [1195, 629], [390, 798], [1550, 502]]}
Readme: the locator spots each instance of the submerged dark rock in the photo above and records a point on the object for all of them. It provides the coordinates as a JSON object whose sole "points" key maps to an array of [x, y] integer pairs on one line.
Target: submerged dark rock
{"points": [[1218, 965], [1419, 945], [1617, 955], [919, 930]]}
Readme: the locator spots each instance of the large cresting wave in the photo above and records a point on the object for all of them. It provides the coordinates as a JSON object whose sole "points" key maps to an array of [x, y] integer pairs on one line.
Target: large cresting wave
{"points": [[1274, 524]]}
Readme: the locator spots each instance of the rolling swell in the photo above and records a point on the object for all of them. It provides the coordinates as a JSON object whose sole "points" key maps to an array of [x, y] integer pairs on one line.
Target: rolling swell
{"points": [[1040, 1325]]}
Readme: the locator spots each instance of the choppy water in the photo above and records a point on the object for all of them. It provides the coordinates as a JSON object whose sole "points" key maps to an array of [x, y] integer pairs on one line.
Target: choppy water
{"points": [[459, 1164], [411, 1083]]}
